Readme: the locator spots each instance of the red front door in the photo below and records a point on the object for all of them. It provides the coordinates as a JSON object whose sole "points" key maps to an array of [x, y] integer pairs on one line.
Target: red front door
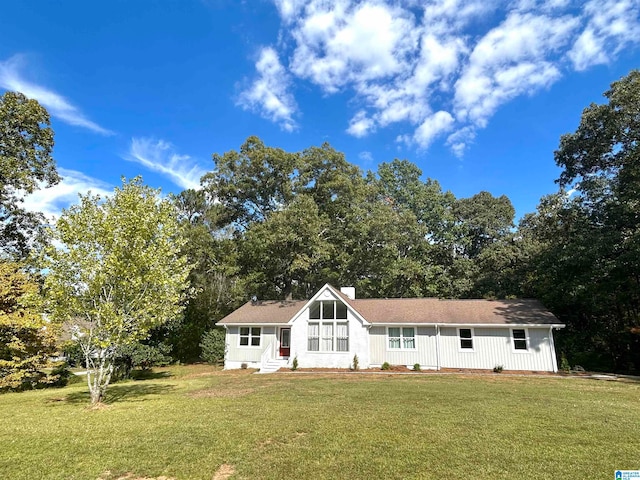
{"points": [[285, 342]]}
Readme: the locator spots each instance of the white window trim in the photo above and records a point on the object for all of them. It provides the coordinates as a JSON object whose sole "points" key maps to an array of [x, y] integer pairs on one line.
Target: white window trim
{"points": [[250, 337], [473, 341], [335, 336], [402, 349], [526, 339]]}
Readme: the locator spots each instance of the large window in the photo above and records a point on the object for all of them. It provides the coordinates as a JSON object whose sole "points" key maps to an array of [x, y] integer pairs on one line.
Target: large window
{"points": [[402, 338], [466, 338], [249, 336], [519, 339], [328, 333]]}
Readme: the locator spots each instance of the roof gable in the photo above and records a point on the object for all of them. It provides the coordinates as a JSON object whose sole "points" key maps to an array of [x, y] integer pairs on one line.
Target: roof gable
{"points": [[327, 292]]}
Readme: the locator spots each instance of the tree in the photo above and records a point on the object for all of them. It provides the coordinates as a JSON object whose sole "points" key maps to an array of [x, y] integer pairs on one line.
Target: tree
{"points": [[26, 339], [26, 144], [587, 268], [116, 273]]}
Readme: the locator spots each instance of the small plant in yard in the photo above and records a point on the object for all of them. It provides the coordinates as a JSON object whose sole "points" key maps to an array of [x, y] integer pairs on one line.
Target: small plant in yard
{"points": [[294, 365], [355, 366], [385, 366], [498, 369], [416, 367], [564, 364]]}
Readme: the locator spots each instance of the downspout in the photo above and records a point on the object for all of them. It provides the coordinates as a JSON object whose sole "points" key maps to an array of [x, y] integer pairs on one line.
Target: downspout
{"points": [[552, 344], [437, 347]]}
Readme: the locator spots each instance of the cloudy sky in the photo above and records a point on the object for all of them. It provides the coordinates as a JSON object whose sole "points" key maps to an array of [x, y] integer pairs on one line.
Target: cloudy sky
{"points": [[476, 92]]}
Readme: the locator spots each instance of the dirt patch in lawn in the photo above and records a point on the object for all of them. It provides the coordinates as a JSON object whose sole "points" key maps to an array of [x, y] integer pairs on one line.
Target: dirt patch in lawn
{"points": [[224, 472]]}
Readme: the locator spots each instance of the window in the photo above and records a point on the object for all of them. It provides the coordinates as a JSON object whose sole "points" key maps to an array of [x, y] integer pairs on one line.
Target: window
{"points": [[402, 338], [328, 334], [342, 337], [250, 336], [314, 337], [519, 339], [466, 338]]}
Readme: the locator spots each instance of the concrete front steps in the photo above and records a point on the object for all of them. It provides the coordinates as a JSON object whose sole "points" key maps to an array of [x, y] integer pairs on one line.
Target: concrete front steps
{"points": [[272, 366]]}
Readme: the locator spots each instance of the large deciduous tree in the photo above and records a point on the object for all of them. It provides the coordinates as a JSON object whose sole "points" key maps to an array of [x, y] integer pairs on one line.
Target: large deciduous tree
{"points": [[116, 273], [26, 164]]}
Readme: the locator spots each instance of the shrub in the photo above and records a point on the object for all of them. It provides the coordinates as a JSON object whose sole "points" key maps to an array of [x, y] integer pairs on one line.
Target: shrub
{"points": [[498, 368], [243, 366], [416, 367], [294, 365], [385, 366], [356, 364], [139, 355], [213, 346], [564, 363]]}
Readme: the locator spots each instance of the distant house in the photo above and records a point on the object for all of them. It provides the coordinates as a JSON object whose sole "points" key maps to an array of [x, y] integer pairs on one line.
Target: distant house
{"points": [[327, 330]]}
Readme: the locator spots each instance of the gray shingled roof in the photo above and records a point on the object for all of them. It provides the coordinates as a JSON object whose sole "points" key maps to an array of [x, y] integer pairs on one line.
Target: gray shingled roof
{"points": [[408, 310]]}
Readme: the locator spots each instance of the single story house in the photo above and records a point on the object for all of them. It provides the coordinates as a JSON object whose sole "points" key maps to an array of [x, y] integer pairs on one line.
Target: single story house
{"points": [[332, 327]]}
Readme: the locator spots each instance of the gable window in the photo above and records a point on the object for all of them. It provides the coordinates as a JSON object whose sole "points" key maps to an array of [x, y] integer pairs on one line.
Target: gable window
{"points": [[403, 338], [466, 338], [326, 333], [250, 336], [519, 339]]}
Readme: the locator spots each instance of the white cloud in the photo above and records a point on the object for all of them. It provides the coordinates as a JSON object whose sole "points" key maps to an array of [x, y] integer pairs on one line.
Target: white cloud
{"points": [[51, 201], [437, 66], [611, 26], [268, 94], [510, 60], [56, 104], [360, 125], [432, 127], [160, 156]]}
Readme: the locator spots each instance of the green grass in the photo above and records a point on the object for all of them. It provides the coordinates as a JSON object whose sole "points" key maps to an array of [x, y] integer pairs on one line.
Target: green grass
{"points": [[185, 422]]}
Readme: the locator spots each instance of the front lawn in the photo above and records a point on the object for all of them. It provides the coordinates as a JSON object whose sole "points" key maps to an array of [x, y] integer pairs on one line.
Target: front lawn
{"points": [[198, 423]]}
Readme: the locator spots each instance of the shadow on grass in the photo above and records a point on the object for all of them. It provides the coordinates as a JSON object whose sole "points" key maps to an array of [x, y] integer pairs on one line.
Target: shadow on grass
{"points": [[118, 392], [149, 375]]}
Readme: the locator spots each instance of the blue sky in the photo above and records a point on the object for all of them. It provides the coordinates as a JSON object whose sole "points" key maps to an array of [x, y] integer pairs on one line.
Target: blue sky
{"points": [[476, 93]]}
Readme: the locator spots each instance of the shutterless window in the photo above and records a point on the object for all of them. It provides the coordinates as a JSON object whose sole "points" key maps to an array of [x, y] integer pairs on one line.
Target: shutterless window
{"points": [[404, 337], [466, 340], [519, 339], [342, 337], [314, 337], [249, 336]]}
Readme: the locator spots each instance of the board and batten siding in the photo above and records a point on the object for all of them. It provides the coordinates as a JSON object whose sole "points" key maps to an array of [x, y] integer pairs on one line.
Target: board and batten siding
{"points": [[249, 355], [358, 341], [424, 354], [494, 346]]}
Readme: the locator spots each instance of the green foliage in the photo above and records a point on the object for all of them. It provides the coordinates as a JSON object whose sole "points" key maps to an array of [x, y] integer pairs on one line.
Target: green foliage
{"points": [[498, 369], [385, 366], [26, 339], [294, 364], [565, 366], [140, 356], [416, 367], [213, 346], [118, 274], [26, 145], [355, 364]]}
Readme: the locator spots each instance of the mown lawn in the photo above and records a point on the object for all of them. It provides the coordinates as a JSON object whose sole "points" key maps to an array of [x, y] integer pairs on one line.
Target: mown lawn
{"points": [[189, 421]]}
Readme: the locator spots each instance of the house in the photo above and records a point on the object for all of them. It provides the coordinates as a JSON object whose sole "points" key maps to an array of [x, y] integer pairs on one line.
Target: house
{"points": [[332, 327]]}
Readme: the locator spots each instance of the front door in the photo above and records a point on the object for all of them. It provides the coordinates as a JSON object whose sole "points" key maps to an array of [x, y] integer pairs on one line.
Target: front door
{"points": [[285, 342]]}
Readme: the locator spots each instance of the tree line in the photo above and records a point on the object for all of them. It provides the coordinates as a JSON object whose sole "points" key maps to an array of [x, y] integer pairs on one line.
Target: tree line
{"points": [[279, 224]]}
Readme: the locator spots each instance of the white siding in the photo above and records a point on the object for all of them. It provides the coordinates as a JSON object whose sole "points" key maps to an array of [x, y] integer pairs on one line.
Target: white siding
{"points": [[494, 346], [358, 342], [236, 353], [424, 354]]}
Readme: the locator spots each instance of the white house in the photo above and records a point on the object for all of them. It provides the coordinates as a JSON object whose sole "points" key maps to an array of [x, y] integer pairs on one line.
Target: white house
{"points": [[332, 327]]}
